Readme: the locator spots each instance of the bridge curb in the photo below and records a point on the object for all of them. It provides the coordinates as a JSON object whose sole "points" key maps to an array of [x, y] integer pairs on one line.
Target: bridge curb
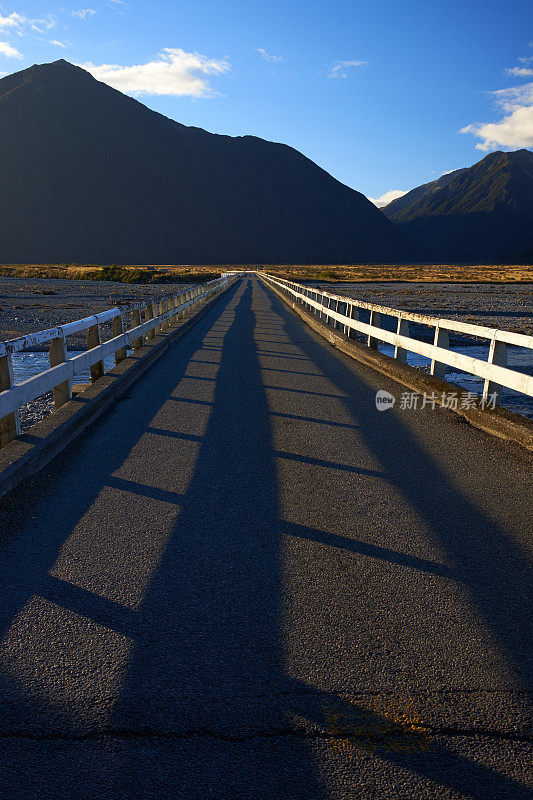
{"points": [[498, 422], [32, 451]]}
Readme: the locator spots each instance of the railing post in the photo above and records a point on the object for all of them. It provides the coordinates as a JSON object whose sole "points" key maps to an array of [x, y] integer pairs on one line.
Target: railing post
{"points": [[402, 329], [58, 355], [322, 314], [160, 311], [375, 320], [135, 321], [148, 315], [344, 326], [175, 304], [94, 340], [328, 306], [180, 300], [336, 323], [497, 356], [353, 314], [442, 339], [117, 327], [10, 424]]}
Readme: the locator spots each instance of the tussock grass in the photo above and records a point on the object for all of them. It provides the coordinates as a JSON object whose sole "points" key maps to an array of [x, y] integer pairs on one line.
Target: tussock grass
{"points": [[425, 273]]}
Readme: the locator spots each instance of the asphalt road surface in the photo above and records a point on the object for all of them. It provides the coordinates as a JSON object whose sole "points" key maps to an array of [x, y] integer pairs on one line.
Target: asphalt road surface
{"points": [[246, 582]]}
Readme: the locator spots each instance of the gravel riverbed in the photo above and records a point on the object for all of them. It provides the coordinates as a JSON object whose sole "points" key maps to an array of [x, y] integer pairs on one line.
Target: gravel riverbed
{"points": [[507, 306]]}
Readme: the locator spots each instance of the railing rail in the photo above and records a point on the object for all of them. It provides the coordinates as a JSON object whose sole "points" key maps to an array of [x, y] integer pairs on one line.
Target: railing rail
{"points": [[158, 314], [343, 313]]}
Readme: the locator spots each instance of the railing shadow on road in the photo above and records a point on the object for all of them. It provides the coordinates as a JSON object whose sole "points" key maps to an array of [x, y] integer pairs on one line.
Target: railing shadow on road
{"points": [[484, 557], [224, 554], [62, 511], [208, 635], [209, 647]]}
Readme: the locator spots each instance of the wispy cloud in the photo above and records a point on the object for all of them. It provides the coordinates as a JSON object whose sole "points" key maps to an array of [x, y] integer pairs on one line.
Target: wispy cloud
{"points": [[515, 129], [519, 72], [18, 23], [340, 69], [11, 21], [268, 56], [514, 97], [387, 197], [174, 72], [9, 51], [57, 43], [83, 13]]}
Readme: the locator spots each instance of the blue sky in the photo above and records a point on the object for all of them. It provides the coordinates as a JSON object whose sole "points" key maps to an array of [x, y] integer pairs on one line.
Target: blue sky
{"points": [[376, 93]]}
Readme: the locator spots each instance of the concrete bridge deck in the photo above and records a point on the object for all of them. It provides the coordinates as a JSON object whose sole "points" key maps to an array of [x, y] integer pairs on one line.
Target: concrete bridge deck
{"points": [[246, 582]]}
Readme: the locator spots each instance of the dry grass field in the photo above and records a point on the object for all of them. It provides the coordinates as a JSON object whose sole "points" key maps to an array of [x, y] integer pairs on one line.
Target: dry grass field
{"points": [[425, 273], [420, 273]]}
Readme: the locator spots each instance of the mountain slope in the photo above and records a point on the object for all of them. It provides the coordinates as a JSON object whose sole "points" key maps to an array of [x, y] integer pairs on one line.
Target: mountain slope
{"points": [[88, 174], [484, 212], [401, 204]]}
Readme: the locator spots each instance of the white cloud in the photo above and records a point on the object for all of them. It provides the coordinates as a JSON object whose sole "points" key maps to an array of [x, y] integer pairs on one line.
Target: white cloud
{"points": [[57, 43], [515, 97], [340, 68], [8, 51], [83, 13], [175, 72], [268, 56], [515, 130], [519, 72], [18, 23], [12, 21], [387, 197]]}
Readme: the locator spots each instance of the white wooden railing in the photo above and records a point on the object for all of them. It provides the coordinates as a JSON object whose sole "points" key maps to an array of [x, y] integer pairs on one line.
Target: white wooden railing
{"points": [[145, 318], [343, 313]]}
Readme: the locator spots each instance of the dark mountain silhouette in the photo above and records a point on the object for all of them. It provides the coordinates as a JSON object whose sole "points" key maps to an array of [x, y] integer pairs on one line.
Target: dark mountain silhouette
{"points": [[88, 174], [484, 212]]}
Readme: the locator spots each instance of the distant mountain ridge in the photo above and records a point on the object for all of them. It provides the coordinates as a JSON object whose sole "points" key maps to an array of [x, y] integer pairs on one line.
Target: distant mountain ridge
{"points": [[483, 212], [407, 201], [88, 174]]}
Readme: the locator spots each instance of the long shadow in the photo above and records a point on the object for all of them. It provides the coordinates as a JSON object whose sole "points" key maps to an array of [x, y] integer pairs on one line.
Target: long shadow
{"points": [[210, 638], [370, 550], [496, 573], [51, 504], [207, 664], [209, 641]]}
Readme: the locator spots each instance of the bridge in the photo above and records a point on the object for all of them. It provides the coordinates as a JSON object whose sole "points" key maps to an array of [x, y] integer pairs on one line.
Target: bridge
{"points": [[240, 579]]}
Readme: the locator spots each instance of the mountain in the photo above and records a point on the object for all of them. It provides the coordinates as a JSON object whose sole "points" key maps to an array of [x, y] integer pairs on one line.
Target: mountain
{"points": [[88, 174], [405, 201], [482, 213]]}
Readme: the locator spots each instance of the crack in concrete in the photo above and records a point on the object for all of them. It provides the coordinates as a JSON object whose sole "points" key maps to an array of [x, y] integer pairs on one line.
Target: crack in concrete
{"points": [[146, 733]]}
